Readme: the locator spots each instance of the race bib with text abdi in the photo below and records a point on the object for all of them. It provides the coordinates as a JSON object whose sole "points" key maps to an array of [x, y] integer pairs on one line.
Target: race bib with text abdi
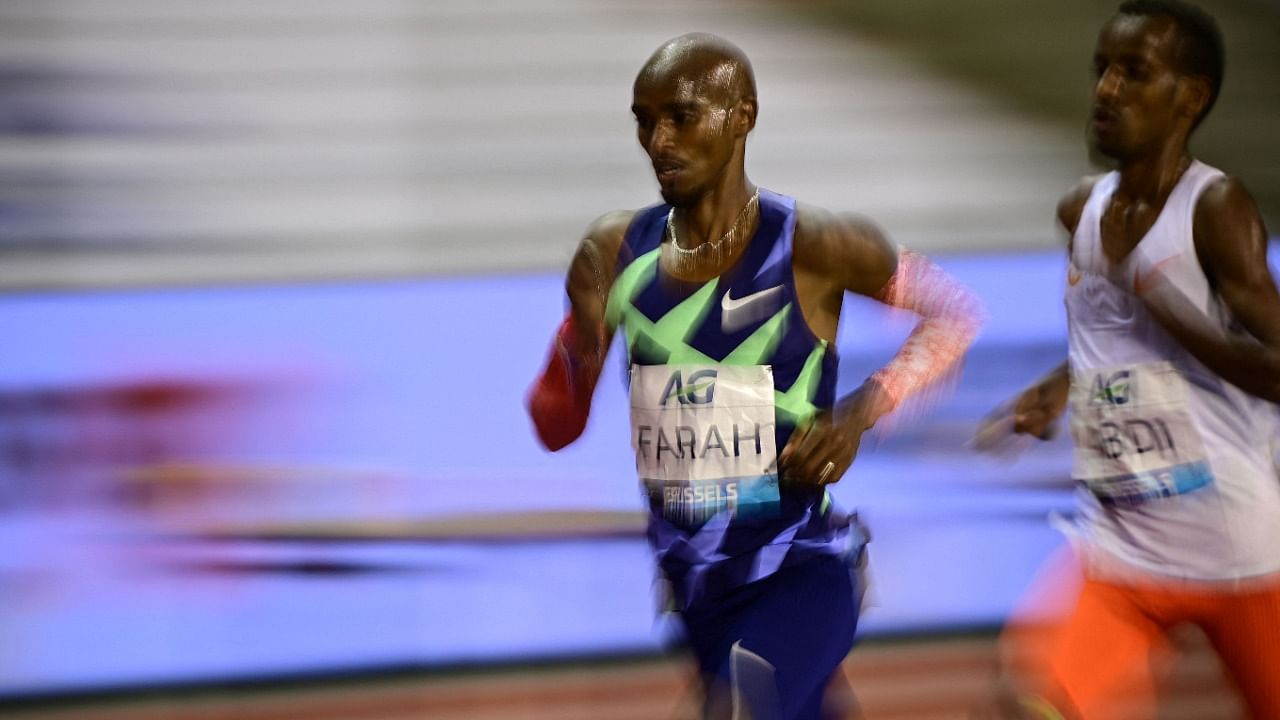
{"points": [[1135, 439]]}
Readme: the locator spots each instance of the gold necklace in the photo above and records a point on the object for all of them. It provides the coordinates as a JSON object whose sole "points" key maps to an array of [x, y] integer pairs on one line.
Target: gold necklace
{"points": [[708, 259]]}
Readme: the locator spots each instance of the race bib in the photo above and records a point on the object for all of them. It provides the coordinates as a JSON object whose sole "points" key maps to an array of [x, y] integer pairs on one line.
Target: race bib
{"points": [[1134, 437], [704, 439]]}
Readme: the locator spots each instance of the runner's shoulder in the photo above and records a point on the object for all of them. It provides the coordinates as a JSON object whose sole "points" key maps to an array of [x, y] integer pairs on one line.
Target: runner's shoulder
{"points": [[1071, 204], [823, 236], [605, 234], [1226, 195], [849, 248]]}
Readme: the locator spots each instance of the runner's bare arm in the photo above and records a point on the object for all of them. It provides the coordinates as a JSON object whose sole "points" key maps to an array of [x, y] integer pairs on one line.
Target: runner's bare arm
{"points": [[1232, 247], [861, 258], [862, 261], [1035, 410], [560, 399], [834, 254], [1038, 407], [589, 280]]}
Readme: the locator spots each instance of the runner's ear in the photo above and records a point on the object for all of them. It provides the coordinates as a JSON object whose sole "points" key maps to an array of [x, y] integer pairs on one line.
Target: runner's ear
{"points": [[1193, 95], [744, 115]]}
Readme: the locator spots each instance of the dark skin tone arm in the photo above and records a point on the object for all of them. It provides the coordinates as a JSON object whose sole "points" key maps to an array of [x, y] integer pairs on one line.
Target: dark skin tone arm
{"points": [[1037, 408], [1231, 244], [588, 282], [834, 254]]}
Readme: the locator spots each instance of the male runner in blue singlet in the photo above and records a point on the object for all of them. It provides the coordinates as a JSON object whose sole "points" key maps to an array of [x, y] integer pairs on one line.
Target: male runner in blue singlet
{"points": [[729, 296]]}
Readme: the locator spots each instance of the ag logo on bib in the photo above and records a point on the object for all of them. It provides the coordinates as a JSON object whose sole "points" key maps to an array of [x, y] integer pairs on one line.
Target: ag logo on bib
{"points": [[698, 389], [1112, 389]]}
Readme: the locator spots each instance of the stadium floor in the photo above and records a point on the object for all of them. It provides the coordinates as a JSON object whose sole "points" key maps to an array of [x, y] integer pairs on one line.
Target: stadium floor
{"points": [[920, 678]]}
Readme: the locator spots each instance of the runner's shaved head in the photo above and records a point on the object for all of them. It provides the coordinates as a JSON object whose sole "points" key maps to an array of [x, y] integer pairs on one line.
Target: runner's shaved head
{"points": [[714, 67]]}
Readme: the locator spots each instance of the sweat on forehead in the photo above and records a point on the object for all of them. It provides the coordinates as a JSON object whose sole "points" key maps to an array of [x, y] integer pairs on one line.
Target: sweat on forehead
{"points": [[706, 63]]}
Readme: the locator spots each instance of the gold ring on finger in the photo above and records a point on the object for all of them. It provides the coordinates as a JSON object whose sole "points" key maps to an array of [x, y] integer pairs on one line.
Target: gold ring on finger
{"points": [[826, 472]]}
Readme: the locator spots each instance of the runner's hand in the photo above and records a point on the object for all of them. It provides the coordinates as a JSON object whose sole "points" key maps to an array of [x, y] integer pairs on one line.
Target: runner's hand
{"points": [[832, 438], [1034, 412]]}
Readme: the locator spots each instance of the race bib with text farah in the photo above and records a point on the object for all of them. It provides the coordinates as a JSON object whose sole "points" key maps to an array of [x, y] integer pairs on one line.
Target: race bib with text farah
{"points": [[704, 439]]}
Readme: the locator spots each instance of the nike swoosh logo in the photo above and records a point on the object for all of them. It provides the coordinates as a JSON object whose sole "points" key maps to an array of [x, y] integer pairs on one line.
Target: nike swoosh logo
{"points": [[736, 314]]}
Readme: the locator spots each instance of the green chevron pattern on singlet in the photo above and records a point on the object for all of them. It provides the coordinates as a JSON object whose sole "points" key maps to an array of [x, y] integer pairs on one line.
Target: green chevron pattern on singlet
{"points": [[667, 340]]}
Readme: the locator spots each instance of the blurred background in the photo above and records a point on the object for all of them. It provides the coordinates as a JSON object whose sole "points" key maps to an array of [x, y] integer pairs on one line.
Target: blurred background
{"points": [[275, 276]]}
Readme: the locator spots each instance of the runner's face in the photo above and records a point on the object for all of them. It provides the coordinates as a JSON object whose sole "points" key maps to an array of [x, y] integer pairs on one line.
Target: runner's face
{"points": [[683, 122], [1136, 86]]}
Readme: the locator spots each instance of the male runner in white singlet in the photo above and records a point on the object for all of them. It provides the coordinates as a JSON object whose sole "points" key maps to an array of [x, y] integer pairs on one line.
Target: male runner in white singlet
{"points": [[1172, 372]]}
